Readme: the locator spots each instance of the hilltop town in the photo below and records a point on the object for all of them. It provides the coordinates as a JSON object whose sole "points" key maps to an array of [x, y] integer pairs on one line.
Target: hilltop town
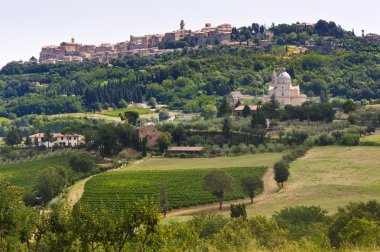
{"points": [[147, 45]]}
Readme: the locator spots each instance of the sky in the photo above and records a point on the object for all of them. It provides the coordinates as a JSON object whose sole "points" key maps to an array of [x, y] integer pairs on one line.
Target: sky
{"points": [[27, 25]]}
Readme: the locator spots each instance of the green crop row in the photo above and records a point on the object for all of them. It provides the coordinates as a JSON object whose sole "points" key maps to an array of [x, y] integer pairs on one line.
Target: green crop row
{"points": [[119, 190]]}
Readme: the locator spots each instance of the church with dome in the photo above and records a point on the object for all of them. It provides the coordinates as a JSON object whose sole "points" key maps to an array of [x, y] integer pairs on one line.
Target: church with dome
{"points": [[283, 90]]}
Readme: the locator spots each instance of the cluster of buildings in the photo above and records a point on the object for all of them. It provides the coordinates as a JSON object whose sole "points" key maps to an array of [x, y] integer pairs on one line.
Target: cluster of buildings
{"points": [[147, 45]]}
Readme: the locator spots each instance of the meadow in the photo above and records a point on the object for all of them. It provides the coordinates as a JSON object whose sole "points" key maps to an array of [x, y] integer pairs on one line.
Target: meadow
{"points": [[117, 112], [260, 159], [184, 187], [371, 140]]}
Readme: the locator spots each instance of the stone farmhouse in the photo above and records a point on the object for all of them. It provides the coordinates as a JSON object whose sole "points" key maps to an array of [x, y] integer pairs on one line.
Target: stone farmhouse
{"points": [[151, 133], [63, 140]]}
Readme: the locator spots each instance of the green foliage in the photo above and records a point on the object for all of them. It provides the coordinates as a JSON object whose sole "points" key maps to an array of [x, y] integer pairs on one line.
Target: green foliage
{"points": [[183, 187], [163, 116], [82, 162], [356, 224], [251, 184], [349, 106], [350, 139], [164, 203], [13, 137], [303, 221], [164, 141], [237, 211], [50, 182], [281, 172], [131, 117], [218, 182]]}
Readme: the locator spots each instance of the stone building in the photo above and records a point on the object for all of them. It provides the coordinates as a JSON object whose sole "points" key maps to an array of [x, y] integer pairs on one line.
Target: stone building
{"points": [[283, 90], [151, 133]]}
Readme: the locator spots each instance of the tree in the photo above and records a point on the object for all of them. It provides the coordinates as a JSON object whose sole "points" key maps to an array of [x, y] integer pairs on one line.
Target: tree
{"points": [[163, 116], [13, 137], [246, 111], [28, 141], [130, 116], [218, 182], [179, 134], [164, 141], [250, 185], [237, 211], [349, 106], [224, 108], [152, 102], [50, 182], [82, 162], [164, 203], [144, 143], [281, 172], [271, 108], [258, 120], [226, 130], [48, 137]]}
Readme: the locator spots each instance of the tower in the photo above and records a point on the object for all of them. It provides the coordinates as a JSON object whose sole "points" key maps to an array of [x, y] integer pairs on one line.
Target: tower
{"points": [[363, 33], [182, 25], [274, 77]]}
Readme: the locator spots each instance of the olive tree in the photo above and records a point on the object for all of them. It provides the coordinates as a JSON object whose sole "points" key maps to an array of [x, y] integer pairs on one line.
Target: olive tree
{"points": [[218, 182]]}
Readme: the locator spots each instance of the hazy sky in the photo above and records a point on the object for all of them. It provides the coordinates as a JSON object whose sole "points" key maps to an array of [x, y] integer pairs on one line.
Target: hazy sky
{"points": [[26, 25]]}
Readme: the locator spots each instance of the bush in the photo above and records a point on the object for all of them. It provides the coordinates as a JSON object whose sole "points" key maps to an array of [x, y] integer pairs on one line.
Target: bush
{"points": [[350, 139], [237, 211], [301, 221], [325, 139]]}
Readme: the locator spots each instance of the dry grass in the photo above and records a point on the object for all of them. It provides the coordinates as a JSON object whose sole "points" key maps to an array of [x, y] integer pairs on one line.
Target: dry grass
{"points": [[327, 176]]}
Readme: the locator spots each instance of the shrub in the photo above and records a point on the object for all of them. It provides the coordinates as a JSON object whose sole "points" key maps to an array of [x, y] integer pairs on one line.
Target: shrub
{"points": [[301, 221], [350, 139], [237, 211], [325, 139]]}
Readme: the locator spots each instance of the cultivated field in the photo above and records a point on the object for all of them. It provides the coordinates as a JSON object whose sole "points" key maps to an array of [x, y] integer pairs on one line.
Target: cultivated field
{"points": [[261, 159], [328, 176], [117, 112], [120, 189], [24, 173]]}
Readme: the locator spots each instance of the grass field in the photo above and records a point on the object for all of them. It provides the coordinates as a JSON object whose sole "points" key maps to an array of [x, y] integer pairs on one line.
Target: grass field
{"points": [[23, 174], [371, 140], [3, 119], [117, 112], [261, 159], [328, 176], [90, 115], [120, 189]]}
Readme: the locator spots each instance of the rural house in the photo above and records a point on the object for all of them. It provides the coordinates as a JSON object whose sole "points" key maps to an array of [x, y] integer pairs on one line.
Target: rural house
{"points": [[58, 139], [151, 133]]}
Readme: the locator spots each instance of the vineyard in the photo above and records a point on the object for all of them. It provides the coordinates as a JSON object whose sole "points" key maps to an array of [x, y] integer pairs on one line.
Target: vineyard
{"points": [[184, 187], [24, 173]]}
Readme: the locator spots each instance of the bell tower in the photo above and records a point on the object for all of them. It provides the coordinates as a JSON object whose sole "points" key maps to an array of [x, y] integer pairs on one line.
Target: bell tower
{"points": [[182, 25]]}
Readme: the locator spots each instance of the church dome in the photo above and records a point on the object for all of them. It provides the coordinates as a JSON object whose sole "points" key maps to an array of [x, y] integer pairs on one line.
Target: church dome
{"points": [[284, 75]]}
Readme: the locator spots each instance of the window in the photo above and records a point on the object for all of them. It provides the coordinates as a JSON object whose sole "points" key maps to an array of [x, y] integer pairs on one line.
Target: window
{"points": [[61, 138]]}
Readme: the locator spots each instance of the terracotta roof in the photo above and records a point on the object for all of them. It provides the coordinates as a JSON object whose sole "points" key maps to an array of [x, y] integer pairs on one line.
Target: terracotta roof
{"points": [[185, 148], [241, 108]]}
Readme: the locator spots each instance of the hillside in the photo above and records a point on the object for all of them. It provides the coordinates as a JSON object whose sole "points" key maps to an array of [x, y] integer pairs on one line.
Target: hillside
{"points": [[191, 79]]}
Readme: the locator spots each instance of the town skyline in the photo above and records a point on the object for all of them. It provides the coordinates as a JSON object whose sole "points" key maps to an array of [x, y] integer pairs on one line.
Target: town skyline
{"points": [[23, 37]]}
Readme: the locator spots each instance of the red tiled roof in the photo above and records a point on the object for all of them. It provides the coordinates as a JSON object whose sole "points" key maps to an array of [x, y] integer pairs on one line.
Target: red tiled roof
{"points": [[241, 108], [185, 148]]}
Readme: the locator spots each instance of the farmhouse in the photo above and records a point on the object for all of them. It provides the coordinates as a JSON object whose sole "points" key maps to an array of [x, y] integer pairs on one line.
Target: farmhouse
{"points": [[58, 139], [151, 133]]}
